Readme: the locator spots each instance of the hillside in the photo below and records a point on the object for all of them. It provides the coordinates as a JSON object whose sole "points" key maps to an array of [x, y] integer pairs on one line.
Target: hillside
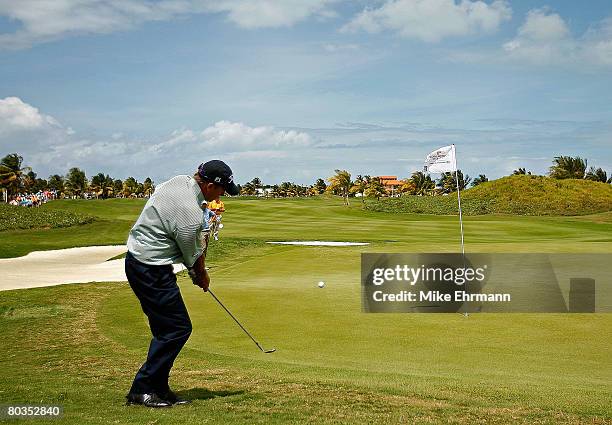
{"points": [[516, 195]]}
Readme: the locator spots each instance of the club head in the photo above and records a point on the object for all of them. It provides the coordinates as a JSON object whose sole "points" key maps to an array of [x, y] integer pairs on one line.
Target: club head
{"points": [[270, 350]]}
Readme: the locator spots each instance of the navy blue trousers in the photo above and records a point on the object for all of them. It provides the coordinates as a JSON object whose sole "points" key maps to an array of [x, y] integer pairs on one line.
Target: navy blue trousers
{"points": [[161, 301]]}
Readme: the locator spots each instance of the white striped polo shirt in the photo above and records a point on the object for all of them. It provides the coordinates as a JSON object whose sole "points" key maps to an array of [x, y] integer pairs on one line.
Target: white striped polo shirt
{"points": [[169, 227]]}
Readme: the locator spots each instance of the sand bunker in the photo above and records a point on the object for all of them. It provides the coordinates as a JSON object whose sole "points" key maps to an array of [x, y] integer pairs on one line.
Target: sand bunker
{"points": [[320, 243], [60, 266], [86, 264]]}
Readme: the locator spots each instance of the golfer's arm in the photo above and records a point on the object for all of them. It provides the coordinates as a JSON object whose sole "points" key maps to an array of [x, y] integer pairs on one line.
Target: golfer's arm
{"points": [[199, 268]]}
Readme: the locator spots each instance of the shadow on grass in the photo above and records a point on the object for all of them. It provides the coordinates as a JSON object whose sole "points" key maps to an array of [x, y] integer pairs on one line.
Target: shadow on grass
{"points": [[204, 394]]}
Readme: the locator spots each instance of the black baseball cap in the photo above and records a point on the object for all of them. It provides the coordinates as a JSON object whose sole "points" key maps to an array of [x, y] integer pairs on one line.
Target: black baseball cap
{"points": [[219, 172]]}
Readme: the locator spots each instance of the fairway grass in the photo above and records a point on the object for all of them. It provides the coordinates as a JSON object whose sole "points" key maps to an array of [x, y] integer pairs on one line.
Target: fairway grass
{"points": [[80, 345]]}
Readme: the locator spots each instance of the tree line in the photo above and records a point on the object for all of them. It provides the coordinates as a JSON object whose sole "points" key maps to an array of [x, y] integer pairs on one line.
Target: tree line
{"points": [[421, 184], [17, 178], [283, 190]]}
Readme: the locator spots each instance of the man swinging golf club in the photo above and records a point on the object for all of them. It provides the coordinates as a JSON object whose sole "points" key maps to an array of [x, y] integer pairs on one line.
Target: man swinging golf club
{"points": [[167, 232]]}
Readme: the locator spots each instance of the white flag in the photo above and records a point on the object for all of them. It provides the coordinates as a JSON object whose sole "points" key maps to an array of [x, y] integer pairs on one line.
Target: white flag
{"points": [[441, 160]]}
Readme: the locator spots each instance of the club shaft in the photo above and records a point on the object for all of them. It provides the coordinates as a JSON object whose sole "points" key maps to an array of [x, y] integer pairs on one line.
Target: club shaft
{"points": [[235, 320]]}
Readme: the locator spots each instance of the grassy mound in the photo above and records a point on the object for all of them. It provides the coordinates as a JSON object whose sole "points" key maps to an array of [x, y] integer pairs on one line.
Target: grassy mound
{"points": [[13, 218], [516, 195]]}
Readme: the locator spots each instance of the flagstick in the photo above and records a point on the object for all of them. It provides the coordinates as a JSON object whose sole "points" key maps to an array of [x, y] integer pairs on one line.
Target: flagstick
{"points": [[459, 200], [460, 215]]}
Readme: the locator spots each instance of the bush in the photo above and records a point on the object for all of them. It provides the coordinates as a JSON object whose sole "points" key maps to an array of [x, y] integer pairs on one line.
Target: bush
{"points": [[515, 195], [17, 217]]}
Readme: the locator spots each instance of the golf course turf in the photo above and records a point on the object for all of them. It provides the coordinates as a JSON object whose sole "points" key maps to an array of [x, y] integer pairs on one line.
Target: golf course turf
{"points": [[79, 345]]}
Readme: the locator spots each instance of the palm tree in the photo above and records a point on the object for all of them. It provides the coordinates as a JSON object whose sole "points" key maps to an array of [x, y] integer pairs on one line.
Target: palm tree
{"points": [[140, 190], [149, 187], [130, 187], [480, 179], [108, 187], [12, 174], [407, 187], [340, 183], [76, 181], [285, 189], [96, 184], [301, 190], [29, 182], [423, 184], [359, 186], [320, 186], [375, 188], [520, 171], [312, 191], [598, 175], [448, 181], [56, 182], [256, 182], [248, 189], [118, 187], [566, 167]]}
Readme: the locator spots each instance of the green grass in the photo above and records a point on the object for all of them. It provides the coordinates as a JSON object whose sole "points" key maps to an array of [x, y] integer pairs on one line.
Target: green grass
{"points": [[113, 220], [17, 217], [516, 195], [78, 344]]}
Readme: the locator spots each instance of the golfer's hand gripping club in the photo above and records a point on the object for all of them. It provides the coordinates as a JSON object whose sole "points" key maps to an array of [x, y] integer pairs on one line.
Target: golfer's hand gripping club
{"points": [[199, 275]]}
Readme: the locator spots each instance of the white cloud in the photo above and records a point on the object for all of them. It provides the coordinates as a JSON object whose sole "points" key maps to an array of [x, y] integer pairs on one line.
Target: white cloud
{"points": [[540, 25], [16, 115], [45, 143], [257, 155], [271, 13], [227, 136], [51, 148], [597, 43], [545, 39], [177, 138], [236, 136], [432, 20], [336, 48], [44, 21]]}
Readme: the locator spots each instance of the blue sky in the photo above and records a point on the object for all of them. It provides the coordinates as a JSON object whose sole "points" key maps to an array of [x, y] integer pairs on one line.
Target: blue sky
{"points": [[291, 90]]}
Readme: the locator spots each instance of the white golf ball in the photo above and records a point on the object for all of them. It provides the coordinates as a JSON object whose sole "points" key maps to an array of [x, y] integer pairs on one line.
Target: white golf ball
{"points": [[321, 284]]}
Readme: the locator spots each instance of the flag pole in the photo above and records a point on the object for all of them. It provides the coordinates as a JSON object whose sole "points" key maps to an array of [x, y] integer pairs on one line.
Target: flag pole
{"points": [[437, 159], [466, 314], [459, 200]]}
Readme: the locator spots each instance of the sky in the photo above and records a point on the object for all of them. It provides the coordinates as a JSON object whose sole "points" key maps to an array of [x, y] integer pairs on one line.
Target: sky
{"points": [[292, 90]]}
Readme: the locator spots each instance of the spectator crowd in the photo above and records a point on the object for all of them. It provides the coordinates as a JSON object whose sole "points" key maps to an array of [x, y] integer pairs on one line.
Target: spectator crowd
{"points": [[33, 199]]}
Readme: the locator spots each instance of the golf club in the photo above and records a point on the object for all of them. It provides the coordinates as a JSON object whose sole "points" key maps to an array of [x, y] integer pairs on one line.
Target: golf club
{"points": [[241, 327]]}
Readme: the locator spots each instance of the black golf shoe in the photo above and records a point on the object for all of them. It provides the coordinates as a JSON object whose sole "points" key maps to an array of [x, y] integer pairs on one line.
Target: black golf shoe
{"points": [[174, 399], [148, 400]]}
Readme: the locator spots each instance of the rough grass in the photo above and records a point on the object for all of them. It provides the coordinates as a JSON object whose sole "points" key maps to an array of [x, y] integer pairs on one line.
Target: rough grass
{"points": [[514, 195], [17, 217]]}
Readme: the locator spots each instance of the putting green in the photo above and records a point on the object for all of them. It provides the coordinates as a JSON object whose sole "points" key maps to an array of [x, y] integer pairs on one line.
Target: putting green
{"points": [[333, 363]]}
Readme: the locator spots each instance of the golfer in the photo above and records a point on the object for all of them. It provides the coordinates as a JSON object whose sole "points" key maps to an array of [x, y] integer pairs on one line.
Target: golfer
{"points": [[167, 232]]}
